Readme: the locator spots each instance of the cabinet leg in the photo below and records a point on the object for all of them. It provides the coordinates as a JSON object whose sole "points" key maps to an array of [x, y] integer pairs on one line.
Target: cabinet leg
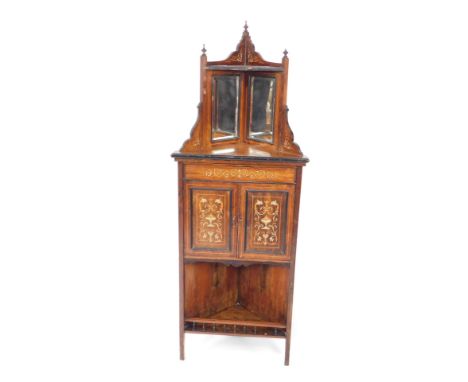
{"points": [[182, 345], [287, 349]]}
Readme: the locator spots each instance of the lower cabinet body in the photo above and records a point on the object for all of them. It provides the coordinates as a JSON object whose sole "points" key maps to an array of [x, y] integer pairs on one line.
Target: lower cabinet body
{"points": [[238, 230]]}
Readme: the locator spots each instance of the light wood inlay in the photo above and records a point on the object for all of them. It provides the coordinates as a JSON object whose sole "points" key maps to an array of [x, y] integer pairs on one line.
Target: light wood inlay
{"points": [[240, 173], [266, 223], [209, 227]]}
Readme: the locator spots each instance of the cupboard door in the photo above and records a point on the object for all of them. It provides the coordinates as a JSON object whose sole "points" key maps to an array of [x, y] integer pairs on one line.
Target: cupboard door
{"points": [[209, 228], [266, 217]]}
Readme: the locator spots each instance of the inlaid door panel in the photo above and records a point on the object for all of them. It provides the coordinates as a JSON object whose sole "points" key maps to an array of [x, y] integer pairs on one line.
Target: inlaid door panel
{"points": [[210, 228], [266, 213]]}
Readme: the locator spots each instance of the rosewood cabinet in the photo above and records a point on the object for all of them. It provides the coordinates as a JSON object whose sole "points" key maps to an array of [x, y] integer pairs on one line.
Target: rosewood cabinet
{"points": [[239, 190]]}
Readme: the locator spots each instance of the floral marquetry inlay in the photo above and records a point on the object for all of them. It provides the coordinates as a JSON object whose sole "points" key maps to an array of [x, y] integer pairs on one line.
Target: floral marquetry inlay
{"points": [[266, 221], [211, 216], [210, 222], [241, 173]]}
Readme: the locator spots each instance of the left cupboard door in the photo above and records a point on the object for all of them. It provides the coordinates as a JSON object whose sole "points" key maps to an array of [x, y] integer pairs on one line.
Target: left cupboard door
{"points": [[210, 221]]}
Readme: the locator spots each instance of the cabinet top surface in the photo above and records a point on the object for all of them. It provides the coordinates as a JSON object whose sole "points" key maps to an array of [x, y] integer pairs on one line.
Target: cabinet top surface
{"points": [[236, 156]]}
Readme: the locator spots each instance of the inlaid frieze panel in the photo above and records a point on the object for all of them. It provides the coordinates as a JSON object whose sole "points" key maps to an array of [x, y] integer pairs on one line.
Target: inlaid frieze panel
{"points": [[240, 173]]}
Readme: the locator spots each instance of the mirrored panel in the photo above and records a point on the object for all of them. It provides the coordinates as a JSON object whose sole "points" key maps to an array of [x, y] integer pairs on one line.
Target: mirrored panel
{"points": [[262, 108], [225, 105]]}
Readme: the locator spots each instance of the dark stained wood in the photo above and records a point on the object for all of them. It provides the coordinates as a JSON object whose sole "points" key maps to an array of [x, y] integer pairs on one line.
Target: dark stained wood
{"points": [[240, 155], [245, 68], [238, 211]]}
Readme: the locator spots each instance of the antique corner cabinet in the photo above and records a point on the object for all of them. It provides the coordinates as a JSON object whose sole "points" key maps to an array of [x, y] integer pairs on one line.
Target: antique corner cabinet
{"points": [[239, 189]]}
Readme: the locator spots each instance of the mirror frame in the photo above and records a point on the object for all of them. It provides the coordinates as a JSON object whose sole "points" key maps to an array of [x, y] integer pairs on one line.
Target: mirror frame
{"points": [[249, 110], [237, 127]]}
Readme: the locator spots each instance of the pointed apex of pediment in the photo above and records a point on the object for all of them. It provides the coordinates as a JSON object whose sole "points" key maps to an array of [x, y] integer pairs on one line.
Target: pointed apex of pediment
{"points": [[245, 53], [245, 56]]}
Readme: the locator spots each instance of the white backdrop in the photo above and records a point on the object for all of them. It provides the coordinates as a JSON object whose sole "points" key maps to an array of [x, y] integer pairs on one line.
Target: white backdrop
{"points": [[94, 97]]}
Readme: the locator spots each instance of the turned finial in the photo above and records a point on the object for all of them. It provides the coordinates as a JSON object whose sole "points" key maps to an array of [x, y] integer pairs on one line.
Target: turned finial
{"points": [[246, 26], [285, 53], [203, 49]]}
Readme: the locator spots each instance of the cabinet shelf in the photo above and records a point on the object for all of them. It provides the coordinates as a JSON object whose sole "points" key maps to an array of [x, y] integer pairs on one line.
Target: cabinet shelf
{"points": [[236, 315], [235, 320]]}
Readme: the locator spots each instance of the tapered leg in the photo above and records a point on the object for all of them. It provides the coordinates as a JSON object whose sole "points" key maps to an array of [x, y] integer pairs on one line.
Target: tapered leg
{"points": [[287, 349], [181, 265], [182, 345], [292, 265]]}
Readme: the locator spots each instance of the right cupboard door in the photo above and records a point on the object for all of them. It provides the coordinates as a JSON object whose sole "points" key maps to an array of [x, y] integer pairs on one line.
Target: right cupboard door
{"points": [[266, 216]]}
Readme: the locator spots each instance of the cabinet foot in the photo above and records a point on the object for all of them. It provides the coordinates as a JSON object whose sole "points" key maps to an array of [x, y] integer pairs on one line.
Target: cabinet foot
{"points": [[182, 346], [286, 351]]}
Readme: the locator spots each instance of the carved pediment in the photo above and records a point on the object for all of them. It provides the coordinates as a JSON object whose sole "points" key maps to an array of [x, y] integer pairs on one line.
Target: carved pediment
{"points": [[245, 53]]}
